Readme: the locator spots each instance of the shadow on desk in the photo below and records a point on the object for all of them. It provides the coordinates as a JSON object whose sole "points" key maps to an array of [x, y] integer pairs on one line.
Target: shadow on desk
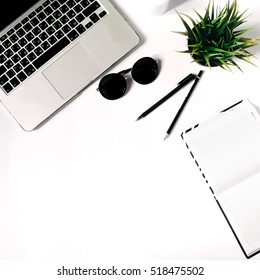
{"points": [[253, 23], [167, 6]]}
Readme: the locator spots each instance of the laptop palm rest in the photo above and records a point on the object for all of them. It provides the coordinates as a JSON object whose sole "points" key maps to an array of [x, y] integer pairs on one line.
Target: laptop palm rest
{"points": [[72, 71]]}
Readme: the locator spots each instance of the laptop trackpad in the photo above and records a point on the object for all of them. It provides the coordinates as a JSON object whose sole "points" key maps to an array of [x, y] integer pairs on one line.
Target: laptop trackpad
{"points": [[72, 71]]}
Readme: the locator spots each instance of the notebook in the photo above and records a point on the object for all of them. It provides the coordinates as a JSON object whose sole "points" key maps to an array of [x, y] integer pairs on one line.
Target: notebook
{"points": [[226, 150], [52, 49]]}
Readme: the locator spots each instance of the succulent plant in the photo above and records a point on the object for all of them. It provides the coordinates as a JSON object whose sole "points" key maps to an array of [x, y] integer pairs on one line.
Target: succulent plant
{"points": [[214, 39]]}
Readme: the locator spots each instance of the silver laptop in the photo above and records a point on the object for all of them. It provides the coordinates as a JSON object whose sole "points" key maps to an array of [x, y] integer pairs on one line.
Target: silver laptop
{"points": [[52, 49]]}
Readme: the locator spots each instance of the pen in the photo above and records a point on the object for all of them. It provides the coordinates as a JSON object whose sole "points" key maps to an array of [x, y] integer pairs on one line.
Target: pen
{"points": [[183, 105], [181, 84]]}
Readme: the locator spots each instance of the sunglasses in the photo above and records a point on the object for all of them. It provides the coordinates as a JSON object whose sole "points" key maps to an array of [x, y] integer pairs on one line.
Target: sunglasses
{"points": [[144, 71]]}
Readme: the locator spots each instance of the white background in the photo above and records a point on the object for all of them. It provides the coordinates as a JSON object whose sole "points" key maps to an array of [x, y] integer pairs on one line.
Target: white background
{"points": [[94, 184]]}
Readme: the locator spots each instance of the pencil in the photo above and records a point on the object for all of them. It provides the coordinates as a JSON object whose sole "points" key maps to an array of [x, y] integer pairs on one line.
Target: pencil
{"points": [[181, 84], [183, 105]]}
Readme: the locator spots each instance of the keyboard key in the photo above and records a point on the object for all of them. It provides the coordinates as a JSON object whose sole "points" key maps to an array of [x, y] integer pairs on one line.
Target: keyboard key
{"points": [[41, 16], [4, 37], [29, 47], [79, 17], [24, 62], [48, 10], [64, 9], [13, 38], [66, 28], [71, 14], [36, 31], [31, 15], [3, 80], [29, 36], [71, 3], [15, 58], [43, 36], [55, 5], [81, 29], [34, 21], [89, 24], [94, 17], [39, 9], [2, 70], [1, 49], [17, 68], [22, 42], [10, 73], [84, 3], [2, 58], [57, 25], [73, 35], [26, 19], [9, 64], [52, 40], [14, 82], [10, 32], [7, 87], [46, 3], [21, 76], [43, 25], [7, 44], [102, 14], [36, 42], [59, 34], [50, 30], [51, 52], [57, 14], [64, 19], [45, 45], [38, 51], [8, 53], [27, 27], [91, 9], [31, 56], [15, 47], [20, 32], [17, 26], [78, 8], [73, 23], [50, 19], [29, 70]]}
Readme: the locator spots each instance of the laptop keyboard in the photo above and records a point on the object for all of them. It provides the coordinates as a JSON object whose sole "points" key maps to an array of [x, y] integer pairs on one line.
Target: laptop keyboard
{"points": [[41, 35]]}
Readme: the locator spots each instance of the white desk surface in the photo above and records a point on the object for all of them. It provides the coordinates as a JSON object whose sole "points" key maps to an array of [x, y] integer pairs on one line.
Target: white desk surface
{"points": [[92, 183]]}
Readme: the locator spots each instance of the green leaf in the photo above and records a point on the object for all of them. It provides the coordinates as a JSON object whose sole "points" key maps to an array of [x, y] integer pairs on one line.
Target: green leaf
{"points": [[185, 24], [181, 33]]}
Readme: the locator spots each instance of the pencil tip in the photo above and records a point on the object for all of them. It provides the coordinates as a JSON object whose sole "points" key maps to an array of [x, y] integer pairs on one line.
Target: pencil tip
{"points": [[166, 136], [138, 118]]}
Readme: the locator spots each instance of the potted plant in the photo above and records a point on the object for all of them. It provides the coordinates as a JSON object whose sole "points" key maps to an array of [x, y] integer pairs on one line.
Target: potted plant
{"points": [[214, 39]]}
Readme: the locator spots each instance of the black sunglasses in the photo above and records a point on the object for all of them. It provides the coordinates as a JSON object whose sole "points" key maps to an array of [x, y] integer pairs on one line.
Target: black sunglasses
{"points": [[144, 71]]}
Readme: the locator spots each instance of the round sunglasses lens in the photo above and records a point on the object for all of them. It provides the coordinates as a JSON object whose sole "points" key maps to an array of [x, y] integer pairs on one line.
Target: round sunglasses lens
{"points": [[112, 86], [145, 70]]}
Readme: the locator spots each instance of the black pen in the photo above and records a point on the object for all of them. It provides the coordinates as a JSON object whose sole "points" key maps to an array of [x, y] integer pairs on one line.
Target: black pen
{"points": [[181, 84], [183, 105]]}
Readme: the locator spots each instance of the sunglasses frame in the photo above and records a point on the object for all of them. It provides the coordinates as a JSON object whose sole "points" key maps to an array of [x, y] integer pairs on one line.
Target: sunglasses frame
{"points": [[116, 82]]}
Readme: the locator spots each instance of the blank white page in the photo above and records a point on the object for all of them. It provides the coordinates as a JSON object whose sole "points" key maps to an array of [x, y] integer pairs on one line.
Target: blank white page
{"points": [[242, 208], [227, 147]]}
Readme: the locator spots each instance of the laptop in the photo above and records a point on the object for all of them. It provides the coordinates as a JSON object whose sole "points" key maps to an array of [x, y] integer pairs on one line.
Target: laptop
{"points": [[52, 49]]}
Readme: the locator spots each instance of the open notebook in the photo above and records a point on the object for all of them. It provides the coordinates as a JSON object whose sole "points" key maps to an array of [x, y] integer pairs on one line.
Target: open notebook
{"points": [[226, 149]]}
